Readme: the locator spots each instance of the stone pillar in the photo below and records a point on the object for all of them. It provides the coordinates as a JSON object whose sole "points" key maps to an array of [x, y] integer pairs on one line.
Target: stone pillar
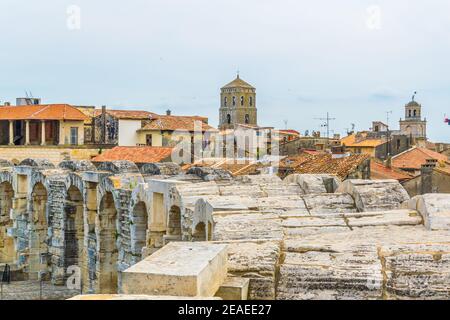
{"points": [[61, 133], [11, 132], [27, 132], [42, 132]]}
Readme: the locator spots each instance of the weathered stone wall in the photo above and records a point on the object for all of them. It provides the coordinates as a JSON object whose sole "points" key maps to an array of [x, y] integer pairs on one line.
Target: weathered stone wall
{"points": [[305, 237]]}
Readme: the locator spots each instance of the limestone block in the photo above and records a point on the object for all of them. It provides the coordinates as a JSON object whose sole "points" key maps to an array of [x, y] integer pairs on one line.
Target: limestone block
{"points": [[314, 183], [284, 189], [242, 190], [247, 226], [435, 210], [383, 218], [375, 195], [329, 203], [325, 272], [234, 288], [256, 260], [417, 270], [179, 269]]}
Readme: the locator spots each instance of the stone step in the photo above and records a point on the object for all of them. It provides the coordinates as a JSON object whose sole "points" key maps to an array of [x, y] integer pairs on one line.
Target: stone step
{"points": [[179, 269]]}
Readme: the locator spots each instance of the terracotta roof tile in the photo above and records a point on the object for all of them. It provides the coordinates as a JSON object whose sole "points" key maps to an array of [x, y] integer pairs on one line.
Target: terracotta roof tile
{"points": [[128, 114], [414, 158], [324, 163], [176, 123], [42, 112], [135, 154], [380, 171]]}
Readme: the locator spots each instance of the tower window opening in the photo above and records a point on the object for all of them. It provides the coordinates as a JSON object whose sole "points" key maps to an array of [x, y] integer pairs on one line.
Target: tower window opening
{"points": [[242, 100], [247, 119], [251, 101], [225, 101], [228, 118], [234, 101]]}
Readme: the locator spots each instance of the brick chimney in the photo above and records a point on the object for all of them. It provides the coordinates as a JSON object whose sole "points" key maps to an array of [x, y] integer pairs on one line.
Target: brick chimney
{"points": [[426, 175]]}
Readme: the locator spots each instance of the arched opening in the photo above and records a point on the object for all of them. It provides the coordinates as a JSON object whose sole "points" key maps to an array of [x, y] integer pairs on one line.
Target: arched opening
{"points": [[39, 259], [139, 228], [234, 101], [251, 101], [108, 247], [199, 233], [174, 224], [225, 101], [74, 229], [247, 119], [242, 100], [7, 252], [228, 119]]}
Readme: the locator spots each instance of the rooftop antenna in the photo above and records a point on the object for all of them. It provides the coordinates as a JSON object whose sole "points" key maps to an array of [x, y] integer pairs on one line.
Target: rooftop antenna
{"points": [[387, 117], [327, 124]]}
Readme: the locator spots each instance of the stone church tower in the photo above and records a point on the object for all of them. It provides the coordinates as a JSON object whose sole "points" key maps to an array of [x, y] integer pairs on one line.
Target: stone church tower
{"points": [[413, 125], [237, 105]]}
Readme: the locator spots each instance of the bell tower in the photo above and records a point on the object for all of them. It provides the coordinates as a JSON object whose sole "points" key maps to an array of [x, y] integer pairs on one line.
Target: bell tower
{"points": [[237, 105], [414, 125]]}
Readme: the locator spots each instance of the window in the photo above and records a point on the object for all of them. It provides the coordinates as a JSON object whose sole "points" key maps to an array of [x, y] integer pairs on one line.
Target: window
{"points": [[377, 129], [247, 119], [73, 135], [242, 100], [409, 113], [251, 101], [415, 113], [228, 118], [398, 144], [148, 139], [234, 101], [225, 101]]}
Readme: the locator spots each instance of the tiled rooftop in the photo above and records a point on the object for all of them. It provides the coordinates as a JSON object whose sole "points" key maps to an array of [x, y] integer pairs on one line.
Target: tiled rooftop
{"points": [[324, 163], [415, 157], [135, 154], [177, 123], [42, 112]]}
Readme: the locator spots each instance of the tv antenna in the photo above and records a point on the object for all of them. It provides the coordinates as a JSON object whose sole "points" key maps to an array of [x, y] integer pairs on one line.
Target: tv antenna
{"points": [[387, 117], [327, 123]]}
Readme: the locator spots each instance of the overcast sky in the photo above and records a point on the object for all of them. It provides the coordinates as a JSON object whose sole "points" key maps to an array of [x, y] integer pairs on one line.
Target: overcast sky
{"points": [[356, 59]]}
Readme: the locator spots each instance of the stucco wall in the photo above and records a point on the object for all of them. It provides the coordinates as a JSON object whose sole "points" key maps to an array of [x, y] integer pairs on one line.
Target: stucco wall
{"points": [[128, 136], [65, 127]]}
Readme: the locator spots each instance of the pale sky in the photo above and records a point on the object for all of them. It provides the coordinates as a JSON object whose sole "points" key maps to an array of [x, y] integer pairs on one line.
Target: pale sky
{"points": [[355, 59]]}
